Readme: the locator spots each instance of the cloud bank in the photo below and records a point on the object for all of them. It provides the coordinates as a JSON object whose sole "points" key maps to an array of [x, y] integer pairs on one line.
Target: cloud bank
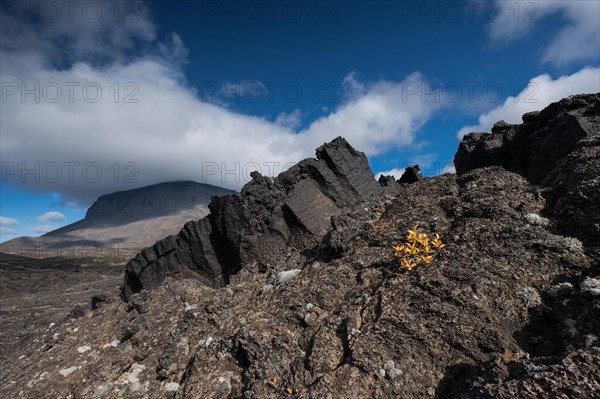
{"points": [[6, 224], [4, 221], [577, 40], [50, 217], [89, 108]]}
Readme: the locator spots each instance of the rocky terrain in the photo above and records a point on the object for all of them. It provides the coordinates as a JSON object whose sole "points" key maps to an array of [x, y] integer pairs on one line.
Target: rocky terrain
{"points": [[133, 218], [292, 289], [37, 292]]}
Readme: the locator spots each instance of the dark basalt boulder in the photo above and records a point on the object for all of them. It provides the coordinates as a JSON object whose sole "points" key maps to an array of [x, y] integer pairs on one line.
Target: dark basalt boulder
{"points": [[386, 181], [555, 150], [532, 148], [262, 224], [411, 175]]}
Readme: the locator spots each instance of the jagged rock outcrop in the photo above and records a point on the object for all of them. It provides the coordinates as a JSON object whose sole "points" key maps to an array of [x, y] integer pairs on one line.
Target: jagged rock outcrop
{"points": [[272, 222], [510, 308], [411, 175], [532, 148], [386, 181], [555, 149]]}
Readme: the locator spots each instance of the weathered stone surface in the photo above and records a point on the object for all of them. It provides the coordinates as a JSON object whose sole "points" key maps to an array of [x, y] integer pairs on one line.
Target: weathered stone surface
{"points": [[575, 196], [311, 208], [411, 174], [590, 286], [533, 148], [492, 315], [557, 149], [386, 181], [261, 224]]}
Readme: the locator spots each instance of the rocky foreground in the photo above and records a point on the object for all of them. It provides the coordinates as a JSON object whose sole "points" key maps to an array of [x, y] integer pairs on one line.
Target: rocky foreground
{"points": [[292, 288], [37, 292]]}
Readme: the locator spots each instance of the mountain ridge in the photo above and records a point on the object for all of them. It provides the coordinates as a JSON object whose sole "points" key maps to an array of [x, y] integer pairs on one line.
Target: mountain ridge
{"points": [[136, 217]]}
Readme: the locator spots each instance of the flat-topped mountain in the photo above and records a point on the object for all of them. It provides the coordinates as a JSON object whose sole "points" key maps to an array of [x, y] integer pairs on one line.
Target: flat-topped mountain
{"points": [[162, 199], [134, 218]]}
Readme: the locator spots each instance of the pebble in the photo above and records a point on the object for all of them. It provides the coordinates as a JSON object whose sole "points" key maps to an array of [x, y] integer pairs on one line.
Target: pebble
{"points": [[572, 244], [310, 318], [112, 344], [67, 371], [590, 286], [171, 387], [286, 276], [390, 371], [536, 220], [265, 288], [560, 290]]}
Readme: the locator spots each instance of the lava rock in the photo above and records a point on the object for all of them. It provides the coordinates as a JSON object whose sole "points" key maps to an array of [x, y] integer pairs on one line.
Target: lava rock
{"points": [[473, 323], [411, 175], [534, 147], [261, 223], [590, 286]]}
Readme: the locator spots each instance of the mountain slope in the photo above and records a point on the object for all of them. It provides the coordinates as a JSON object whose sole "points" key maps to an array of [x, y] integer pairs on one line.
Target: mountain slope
{"points": [[132, 218]]}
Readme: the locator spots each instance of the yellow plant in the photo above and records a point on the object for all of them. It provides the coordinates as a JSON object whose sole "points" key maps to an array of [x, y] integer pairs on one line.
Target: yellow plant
{"points": [[273, 382], [417, 249]]}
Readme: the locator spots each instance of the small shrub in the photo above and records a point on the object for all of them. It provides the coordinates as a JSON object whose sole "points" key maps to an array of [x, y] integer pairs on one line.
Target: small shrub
{"points": [[418, 249]]}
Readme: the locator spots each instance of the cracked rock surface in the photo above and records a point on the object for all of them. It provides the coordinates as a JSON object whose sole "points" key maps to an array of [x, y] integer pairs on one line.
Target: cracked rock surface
{"points": [[507, 309]]}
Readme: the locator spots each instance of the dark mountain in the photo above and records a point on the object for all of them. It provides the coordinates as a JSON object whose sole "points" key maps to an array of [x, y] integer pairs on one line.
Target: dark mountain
{"points": [[162, 199], [323, 283], [133, 218]]}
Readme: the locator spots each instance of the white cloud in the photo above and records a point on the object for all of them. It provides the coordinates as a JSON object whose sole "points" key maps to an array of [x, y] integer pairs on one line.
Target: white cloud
{"points": [[291, 120], [396, 172], [42, 228], [578, 39], [169, 133], [80, 30], [353, 88], [384, 116], [428, 167], [539, 93], [4, 221], [49, 217], [450, 168], [7, 231]]}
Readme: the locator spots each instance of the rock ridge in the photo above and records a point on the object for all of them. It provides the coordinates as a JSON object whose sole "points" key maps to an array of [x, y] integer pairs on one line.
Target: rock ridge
{"points": [[532, 148], [555, 150], [272, 222]]}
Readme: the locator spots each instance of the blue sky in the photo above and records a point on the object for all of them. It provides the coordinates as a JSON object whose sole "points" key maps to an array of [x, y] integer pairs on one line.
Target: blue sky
{"points": [[108, 96]]}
